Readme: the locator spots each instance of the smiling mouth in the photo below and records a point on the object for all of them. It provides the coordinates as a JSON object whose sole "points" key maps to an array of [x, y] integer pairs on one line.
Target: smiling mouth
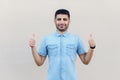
{"points": [[61, 26]]}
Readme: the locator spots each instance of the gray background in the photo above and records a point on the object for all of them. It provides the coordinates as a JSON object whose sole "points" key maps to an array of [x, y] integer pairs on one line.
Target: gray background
{"points": [[20, 18]]}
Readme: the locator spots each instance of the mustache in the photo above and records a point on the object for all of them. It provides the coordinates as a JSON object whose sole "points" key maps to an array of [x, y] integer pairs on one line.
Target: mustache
{"points": [[61, 24]]}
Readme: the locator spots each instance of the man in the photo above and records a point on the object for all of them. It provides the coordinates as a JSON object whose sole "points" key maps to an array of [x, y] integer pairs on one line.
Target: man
{"points": [[61, 48]]}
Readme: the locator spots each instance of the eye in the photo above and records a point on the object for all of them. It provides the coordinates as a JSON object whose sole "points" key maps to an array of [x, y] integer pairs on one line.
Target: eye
{"points": [[65, 19], [59, 19]]}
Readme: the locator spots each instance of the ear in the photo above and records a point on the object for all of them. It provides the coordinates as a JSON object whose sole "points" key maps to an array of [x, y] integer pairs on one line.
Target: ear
{"points": [[54, 20], [69, 21]]}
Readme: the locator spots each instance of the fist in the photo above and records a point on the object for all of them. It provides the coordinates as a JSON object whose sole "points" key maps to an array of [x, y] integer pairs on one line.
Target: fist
{"points": [[32, 41]]}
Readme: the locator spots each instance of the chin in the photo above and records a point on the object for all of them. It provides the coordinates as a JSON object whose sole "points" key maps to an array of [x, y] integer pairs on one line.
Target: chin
{"points": [[62, 30]]}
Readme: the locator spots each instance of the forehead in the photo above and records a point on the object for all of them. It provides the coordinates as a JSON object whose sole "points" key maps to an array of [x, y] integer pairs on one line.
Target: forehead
{"points": [[62, 16]]}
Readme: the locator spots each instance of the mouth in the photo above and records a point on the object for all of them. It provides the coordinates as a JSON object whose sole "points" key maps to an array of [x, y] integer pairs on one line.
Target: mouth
{"points": [[61, 26]]}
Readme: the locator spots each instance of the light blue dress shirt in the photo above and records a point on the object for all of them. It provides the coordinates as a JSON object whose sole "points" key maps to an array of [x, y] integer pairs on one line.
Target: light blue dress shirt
{"points": [[62, 50]]}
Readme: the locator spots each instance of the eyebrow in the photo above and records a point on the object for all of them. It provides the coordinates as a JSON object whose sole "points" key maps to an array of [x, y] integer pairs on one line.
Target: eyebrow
{"points": [[60, 18]]}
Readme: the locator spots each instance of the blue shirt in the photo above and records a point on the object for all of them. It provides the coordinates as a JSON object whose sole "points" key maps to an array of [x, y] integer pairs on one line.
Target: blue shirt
{"points": [[62, 50]]}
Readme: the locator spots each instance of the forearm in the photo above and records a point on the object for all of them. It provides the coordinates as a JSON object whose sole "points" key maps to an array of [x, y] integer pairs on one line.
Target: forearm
{"points": [[88, 56], [36, 56]]}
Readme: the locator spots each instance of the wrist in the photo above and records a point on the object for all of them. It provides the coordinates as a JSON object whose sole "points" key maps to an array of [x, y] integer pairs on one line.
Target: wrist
{"points": [[33, 47], [92, 47]]}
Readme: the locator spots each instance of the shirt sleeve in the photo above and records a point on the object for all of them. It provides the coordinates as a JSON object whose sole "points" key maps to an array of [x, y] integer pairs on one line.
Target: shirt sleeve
{"points": [[42, 49], [80, 47]]}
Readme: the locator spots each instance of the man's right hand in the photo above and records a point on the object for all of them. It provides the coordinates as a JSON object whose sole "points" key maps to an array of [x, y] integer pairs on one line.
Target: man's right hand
{"points": [[32, 42]]}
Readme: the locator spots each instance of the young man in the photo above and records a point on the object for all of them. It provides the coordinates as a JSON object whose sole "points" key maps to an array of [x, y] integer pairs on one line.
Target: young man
{"points": [[62, 49]]}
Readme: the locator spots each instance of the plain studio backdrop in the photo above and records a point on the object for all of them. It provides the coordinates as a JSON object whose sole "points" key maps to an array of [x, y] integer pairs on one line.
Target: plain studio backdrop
{"points": [[20, 18]]}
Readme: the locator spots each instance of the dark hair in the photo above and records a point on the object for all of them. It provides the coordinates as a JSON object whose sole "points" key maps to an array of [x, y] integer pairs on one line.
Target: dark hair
{"points": [[62, 11]]}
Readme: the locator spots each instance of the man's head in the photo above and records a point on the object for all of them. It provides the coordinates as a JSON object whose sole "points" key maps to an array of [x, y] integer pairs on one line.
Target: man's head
{"points": [[62, 19]]}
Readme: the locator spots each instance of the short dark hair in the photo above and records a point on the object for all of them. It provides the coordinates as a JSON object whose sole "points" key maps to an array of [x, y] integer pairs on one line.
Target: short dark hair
{"points": [[62, 11]]}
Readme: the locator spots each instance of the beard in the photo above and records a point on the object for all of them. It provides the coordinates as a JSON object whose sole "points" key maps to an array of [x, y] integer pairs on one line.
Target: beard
{"points": [[62, 27]]}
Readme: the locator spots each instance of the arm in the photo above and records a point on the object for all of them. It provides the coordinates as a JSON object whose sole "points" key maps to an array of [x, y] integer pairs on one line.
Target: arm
{"points": [[39, 60], [86, 57]]}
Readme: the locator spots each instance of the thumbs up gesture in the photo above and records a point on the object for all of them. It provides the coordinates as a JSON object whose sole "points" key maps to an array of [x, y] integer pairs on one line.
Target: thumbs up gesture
{"points": [[91, 42], [32, 42]]}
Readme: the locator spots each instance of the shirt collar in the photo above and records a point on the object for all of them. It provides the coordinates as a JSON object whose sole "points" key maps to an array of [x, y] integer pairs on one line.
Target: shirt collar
{"points": [[64, 35]]}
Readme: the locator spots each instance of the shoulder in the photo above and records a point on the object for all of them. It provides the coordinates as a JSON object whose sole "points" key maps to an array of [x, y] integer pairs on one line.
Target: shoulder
{"points": [[48, 36], [75, 35]]}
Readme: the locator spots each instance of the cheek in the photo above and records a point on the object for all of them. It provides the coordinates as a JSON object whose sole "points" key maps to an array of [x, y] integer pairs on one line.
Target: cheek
{"points": [[57, 22], [67, 23]]}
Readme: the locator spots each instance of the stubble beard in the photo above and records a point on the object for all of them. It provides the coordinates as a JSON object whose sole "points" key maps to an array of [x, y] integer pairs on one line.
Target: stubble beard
{"points": [[61, 29]]}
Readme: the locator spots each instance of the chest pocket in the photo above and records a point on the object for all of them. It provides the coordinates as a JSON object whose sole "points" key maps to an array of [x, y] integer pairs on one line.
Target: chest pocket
{"points": [[52, 49], [71, 51]]}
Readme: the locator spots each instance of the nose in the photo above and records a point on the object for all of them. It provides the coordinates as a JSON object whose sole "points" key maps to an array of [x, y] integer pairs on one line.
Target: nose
{"points": [[61, 21]]}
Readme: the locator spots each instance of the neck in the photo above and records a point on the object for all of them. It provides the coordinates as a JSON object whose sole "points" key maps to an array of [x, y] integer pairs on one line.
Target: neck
{"points": [[61, 32]]}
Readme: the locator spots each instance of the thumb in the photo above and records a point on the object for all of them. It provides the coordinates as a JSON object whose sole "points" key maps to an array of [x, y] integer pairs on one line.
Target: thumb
{"points": [[90, 35], [34, 36]]}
